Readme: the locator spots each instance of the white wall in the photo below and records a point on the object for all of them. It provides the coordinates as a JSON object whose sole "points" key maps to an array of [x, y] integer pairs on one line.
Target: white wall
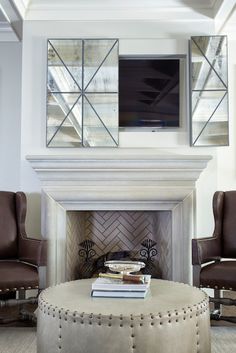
{"points": [[227, 155], [10, 115], [10, 132], [135, 38], [26, 134]]}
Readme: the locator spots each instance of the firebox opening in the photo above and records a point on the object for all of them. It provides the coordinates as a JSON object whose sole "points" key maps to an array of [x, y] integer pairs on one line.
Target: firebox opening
{"points": [[96, 236]]}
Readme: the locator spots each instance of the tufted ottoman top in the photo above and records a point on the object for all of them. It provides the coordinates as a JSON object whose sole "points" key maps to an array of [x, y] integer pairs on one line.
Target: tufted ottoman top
{"points": [[173, 317], [164, 296]]}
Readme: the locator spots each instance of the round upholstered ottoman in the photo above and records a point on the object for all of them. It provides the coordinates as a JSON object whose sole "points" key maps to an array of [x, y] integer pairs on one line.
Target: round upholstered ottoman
{"points": [[174, 317]]}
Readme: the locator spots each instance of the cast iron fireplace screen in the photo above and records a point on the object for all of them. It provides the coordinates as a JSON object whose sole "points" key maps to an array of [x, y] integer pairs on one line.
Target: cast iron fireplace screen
{"points": [[82, 93], [90, 264]]}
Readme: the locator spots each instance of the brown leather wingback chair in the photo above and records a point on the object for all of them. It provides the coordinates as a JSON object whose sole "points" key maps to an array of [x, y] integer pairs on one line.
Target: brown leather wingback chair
{"points": [[20, 256], [218, 253]]}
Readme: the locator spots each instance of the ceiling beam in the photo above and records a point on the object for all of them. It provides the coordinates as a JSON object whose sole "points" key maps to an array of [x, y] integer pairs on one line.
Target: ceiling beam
{"points": [[224, 10], [21, 6], [13, 17]]}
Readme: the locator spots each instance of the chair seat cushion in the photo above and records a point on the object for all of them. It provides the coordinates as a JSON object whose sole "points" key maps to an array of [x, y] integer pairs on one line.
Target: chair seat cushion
{"points": [[16, 275], [221, 275]]}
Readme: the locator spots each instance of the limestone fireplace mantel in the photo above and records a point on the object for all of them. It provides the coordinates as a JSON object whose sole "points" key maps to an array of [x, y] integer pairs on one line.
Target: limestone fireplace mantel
{"points": [[118, 180]]}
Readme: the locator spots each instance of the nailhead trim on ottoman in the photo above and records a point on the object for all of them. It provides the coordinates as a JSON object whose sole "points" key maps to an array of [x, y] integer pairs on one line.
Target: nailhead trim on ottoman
{"points": [[174, 317]]}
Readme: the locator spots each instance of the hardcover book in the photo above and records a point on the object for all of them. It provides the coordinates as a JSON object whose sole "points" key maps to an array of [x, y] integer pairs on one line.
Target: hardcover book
{"points": [[112, 284], [119, 294]]}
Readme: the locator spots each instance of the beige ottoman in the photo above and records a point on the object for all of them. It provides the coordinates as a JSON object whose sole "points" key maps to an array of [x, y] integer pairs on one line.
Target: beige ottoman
{"points": [[174, 317]]}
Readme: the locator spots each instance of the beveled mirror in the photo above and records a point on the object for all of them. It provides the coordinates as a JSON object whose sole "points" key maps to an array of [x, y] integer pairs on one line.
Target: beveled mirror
{"points": [[82, 93], [209, 91]]}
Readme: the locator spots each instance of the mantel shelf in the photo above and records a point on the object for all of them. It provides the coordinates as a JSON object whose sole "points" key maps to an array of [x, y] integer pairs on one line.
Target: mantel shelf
{"points": [[118, 166]]}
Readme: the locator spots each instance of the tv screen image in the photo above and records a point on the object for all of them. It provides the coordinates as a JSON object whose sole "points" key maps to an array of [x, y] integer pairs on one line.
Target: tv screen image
{"points": [[149, 92]]}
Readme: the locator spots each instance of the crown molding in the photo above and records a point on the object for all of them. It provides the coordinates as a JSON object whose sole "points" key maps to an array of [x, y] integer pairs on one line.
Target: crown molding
{"points": [[117, 10]]}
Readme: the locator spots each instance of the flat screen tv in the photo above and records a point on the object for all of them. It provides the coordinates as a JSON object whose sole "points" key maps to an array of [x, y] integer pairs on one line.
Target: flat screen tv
{"points": [[149, 92]]}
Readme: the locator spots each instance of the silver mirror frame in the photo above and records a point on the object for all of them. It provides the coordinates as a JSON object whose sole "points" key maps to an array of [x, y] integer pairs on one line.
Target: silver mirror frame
{"points": [[208, 78], [82, 93]]}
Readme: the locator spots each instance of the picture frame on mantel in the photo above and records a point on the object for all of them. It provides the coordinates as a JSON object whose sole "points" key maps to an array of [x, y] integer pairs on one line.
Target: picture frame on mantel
{"points": [[208, 60], [82, 93]]}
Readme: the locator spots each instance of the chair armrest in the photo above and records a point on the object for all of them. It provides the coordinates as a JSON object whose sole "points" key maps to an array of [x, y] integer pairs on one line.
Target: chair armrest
{"points": [[33, 251], [205, 250]]}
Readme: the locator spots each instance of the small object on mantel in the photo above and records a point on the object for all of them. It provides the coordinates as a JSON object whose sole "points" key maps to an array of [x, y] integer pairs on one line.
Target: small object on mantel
{"points": [[125, 278]]}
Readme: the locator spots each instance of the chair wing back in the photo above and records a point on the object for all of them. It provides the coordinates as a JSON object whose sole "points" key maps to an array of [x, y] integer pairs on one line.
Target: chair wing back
{"points": [[229, 225], [8, 226]]}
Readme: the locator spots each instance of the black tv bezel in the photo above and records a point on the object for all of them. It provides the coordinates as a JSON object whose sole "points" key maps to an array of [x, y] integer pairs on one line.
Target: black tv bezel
{"points": [[181, 58]]}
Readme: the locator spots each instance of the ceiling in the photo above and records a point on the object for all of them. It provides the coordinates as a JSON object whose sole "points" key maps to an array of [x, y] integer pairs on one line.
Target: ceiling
{"points": [[222, 12], [2, 17]]}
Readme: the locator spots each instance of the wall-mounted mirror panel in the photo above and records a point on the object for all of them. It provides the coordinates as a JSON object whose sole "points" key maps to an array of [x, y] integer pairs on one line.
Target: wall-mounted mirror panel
{"points": [[209, 91], [82, 93]]}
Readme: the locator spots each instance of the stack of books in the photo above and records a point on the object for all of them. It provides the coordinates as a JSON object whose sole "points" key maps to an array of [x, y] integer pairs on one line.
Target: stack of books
{"points": [[111, 286]]}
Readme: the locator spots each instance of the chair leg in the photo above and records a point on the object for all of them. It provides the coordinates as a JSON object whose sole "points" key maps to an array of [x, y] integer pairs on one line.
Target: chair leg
{"points": [[21, 296], [24, 314], [3, 298], [218, 301], [21, 293], [196, 275], [217, 297], [216, 312]]}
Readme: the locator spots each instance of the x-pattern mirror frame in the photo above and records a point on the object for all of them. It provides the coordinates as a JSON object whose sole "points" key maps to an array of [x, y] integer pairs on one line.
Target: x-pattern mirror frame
{"points": [[82, 93], [208, 59]]}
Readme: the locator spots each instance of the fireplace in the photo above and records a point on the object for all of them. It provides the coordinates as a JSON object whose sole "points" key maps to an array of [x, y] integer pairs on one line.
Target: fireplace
{"points": [[158, 188], [95, 236]]}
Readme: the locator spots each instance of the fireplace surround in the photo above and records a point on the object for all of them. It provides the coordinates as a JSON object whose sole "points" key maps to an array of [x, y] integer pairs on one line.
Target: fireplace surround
{"points": [[129, 180]]}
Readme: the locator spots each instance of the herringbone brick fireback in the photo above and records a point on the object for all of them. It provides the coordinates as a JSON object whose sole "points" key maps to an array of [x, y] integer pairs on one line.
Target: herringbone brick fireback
{"points": [[119, 230]]}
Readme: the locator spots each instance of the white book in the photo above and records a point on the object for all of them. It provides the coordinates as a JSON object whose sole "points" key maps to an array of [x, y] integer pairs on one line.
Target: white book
{"points": [[111, 284], [118, 294]]}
